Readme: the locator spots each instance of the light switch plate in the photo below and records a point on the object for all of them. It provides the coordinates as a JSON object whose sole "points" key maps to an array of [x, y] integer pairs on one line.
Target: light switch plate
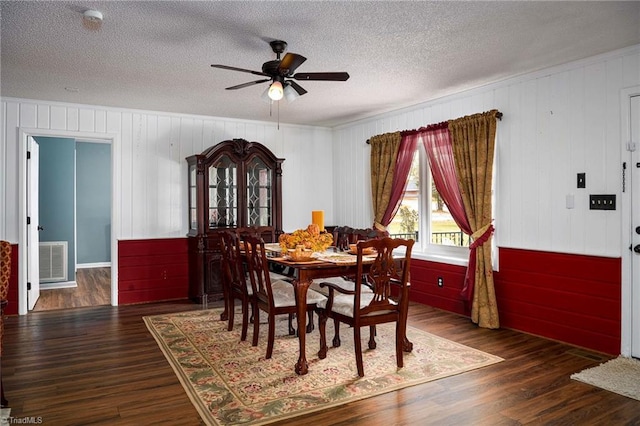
{"points": [[582, 180]]}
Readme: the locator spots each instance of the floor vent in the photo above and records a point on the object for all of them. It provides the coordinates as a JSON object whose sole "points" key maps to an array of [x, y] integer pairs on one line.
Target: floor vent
{"points": [[53, 261]]}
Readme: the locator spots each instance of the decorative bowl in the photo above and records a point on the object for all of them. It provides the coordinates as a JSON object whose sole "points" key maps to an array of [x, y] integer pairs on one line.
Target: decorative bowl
{"points": [[300, 256]]}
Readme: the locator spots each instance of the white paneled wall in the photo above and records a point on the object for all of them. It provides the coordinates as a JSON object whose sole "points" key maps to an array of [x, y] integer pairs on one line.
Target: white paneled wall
{"points": [[150, 169], [557, 123]]}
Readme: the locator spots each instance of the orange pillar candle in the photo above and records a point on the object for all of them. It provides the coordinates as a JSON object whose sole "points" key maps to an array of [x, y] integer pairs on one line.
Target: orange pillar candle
{"points": [[317, 218]]}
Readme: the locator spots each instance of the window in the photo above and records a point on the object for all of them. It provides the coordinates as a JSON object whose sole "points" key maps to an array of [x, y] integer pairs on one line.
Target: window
{"points": [[422, 215]]}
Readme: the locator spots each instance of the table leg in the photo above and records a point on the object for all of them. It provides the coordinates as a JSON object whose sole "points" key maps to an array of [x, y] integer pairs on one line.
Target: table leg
{"points": [[300, 287]]}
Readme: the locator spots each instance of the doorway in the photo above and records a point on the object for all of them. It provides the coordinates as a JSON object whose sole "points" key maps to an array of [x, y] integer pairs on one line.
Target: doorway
{"points": [[75, 223], [106, 140]]}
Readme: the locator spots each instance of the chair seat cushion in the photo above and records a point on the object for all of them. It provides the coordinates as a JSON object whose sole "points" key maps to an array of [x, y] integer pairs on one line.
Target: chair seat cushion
{"points": [[276, 276], [343, 303], [339, 281], [283, 295]]}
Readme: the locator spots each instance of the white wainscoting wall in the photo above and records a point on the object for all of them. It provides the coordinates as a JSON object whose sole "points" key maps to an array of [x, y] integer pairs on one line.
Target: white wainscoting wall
{"points": [[150, 164], [557, 122]]}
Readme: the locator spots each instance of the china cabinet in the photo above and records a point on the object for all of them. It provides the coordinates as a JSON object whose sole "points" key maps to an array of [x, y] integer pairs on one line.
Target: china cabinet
{"points": [[232, 184]]}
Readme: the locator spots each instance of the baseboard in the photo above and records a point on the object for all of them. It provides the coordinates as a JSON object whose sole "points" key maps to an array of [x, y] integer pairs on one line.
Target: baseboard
{"points": [[64, 284], [93, 265]]}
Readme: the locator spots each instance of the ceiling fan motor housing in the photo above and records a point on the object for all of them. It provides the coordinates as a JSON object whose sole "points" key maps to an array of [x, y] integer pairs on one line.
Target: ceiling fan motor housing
{"points": [[271, 67]]}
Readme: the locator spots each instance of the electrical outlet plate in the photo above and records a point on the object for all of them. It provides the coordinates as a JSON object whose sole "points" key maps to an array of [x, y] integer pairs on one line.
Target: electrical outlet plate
{"points": [[440, 282], [602, 202]]}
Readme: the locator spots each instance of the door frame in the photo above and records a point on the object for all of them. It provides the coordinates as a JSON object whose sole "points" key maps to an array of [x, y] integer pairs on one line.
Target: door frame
{"points": [[626, 221], [114, 141], [33, 228]]}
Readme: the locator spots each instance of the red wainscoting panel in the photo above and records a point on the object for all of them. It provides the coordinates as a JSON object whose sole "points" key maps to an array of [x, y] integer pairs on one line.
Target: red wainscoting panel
{"points": [[571, 298], [152, 270], [424, 285]]}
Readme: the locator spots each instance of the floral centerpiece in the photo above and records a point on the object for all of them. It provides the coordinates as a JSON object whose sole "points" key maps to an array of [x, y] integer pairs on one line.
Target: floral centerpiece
{"points": [[310, 238]]}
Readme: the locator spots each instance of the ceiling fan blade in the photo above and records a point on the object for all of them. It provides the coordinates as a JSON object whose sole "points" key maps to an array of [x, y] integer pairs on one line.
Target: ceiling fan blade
{"points": [[289, 63], [328, 76], [297, 87], [251, 83], [227, 67]]}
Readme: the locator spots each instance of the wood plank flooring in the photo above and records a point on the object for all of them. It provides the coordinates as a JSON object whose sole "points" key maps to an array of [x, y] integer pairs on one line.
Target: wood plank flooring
{"points": [[101, 366], [94, 289]]}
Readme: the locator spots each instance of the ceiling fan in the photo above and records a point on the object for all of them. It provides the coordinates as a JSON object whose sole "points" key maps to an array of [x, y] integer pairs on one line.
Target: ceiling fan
{"points": [[280, 73]]}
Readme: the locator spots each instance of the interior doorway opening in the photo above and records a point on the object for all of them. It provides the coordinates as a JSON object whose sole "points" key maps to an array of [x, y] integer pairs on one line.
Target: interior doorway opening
{"points": [[103, 272]]}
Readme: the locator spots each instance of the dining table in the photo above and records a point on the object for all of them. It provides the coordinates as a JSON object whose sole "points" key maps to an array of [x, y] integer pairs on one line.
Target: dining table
{"points": [[331, 263]]}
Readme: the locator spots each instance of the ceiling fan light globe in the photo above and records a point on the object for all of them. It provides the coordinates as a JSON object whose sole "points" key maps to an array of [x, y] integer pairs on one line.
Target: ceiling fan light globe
{"points": [[290, 94], [276, 91], [265, 95]]}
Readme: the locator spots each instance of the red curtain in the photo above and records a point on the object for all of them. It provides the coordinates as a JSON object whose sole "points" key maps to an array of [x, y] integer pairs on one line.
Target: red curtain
{"points": [[400, 178], [437, 143]]}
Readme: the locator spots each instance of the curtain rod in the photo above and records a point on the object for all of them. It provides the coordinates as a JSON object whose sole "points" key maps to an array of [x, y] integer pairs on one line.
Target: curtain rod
{"points": [[498, 116]]}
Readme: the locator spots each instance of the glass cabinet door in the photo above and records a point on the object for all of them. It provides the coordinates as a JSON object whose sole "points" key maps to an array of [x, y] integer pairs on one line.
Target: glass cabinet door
{"points": [[232, 184], [259, 193], [193, 200], [223, 186]]}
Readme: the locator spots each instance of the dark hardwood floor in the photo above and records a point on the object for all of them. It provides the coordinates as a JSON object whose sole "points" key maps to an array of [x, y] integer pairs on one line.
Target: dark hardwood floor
{"points": [[100, 365], [94, 289]]}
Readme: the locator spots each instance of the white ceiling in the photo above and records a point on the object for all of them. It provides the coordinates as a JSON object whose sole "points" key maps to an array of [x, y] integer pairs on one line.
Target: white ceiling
{"points": [[156, 55]]}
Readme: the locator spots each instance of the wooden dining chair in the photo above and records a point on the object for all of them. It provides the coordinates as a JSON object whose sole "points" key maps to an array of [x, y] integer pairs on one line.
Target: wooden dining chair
{"points": [[343, 237], [383, 304], [5, 275], [235, 281], [272, 297], [268, 234]]}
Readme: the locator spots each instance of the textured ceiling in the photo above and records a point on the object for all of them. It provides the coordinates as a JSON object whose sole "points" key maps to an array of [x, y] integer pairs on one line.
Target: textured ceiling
{"points": [[156, 55]]}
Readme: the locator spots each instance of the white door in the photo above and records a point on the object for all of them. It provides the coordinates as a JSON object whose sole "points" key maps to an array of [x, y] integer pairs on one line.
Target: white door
{"points": [[635, 224], [33, 240]]}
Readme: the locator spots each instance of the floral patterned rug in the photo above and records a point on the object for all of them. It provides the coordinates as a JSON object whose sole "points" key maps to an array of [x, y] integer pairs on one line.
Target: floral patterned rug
{"points": [[230, 382]]}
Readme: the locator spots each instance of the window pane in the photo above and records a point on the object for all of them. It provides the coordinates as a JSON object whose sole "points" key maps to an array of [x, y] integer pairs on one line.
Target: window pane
{"points": [[444, 230], [405, 224]]}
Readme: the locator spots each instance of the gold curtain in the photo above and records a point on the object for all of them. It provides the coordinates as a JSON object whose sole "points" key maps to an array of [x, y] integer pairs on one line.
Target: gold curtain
{"points": [[473, 141], [384, 151]]}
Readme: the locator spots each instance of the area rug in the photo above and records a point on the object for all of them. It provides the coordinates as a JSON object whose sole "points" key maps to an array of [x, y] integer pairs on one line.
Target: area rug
{"points": [[231, 382], [620, 375]]}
